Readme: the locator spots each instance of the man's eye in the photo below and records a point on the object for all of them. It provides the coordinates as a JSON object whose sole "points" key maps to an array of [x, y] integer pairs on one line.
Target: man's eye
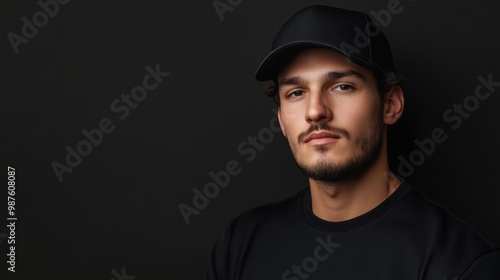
{"points": [[344, 87], [295, 93]]}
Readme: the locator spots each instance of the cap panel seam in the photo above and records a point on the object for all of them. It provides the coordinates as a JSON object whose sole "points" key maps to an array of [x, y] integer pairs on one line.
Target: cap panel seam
{"points": [[370, 51]]}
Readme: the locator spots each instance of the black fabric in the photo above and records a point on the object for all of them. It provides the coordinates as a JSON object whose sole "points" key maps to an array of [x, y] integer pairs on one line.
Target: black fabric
{"points": [[352, 33], [405, 237]]}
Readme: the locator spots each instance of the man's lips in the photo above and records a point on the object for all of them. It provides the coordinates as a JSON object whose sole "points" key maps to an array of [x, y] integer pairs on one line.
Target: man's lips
{"points": [[321, 138]]}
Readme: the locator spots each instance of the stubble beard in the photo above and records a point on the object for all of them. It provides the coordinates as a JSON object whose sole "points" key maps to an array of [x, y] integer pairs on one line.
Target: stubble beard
{"points": [[368, 145]]}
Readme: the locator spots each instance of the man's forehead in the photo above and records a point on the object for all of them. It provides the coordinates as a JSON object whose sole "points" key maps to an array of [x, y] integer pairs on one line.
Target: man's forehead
{"points": [[320, 61]]}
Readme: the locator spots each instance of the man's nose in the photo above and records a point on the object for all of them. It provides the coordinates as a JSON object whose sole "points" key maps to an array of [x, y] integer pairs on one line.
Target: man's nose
{"points": [[318, 107]]}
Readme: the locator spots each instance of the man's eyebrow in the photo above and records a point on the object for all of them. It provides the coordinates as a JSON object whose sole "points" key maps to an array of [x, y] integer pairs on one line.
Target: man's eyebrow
{"points": [[291, 81], [347, 73]]}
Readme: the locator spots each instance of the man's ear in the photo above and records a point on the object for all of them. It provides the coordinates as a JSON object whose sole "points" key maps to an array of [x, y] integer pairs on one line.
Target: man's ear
{"points": [[281, 123], [394, 103]]}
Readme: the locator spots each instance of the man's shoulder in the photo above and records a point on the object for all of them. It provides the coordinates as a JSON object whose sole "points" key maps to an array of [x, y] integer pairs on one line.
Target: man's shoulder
{"points": [[428, 212], [435, 214], [443, 234], [269, 213]]}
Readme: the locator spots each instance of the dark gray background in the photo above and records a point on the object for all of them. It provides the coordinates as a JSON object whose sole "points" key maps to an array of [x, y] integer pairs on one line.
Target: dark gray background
{"points": [[119, 207]]}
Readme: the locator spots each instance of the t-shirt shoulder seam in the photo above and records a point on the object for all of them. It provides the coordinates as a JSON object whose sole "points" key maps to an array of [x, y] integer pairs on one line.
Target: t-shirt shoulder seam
{"points": [[457, 219]]}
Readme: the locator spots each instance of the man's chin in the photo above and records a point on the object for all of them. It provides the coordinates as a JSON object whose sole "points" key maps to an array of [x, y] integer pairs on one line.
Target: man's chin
{"points": [[330, 169], [324, 157]]}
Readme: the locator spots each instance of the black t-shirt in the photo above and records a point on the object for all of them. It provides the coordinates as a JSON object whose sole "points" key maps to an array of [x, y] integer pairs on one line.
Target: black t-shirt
{"points": [[405, 237]]}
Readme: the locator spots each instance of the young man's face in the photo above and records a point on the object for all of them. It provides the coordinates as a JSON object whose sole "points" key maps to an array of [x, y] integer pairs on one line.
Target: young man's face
{"points": [[331, 114]]}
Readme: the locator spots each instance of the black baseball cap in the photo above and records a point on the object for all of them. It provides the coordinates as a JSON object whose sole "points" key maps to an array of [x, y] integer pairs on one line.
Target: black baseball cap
{"points": [[352, 33]]}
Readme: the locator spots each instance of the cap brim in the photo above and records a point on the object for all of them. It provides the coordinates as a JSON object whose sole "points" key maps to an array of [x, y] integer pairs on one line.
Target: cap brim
{"points": [[270, 66]]}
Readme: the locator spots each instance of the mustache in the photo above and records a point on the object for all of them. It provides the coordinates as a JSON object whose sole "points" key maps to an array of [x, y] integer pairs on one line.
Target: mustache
{"points": [[323, 126]]}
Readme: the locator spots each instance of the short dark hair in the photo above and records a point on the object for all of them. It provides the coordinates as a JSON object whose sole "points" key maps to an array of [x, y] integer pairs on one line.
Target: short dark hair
{"points": [[384, 84]]}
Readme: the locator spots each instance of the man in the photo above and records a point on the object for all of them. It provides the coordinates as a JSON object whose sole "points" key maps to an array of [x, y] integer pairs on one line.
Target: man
{"points": [[336, 95]]}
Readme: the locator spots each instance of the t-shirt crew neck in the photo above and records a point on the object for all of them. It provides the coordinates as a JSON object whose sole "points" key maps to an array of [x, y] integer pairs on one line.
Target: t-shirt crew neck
{"points": [[356, 222]]}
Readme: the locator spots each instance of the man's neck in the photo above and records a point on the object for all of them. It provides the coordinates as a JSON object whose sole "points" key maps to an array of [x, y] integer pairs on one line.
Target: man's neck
{"points": [[341, 201]]}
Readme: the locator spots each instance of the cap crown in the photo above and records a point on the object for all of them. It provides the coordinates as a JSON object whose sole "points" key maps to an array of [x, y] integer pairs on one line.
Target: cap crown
{"points": [[352, 33]]}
